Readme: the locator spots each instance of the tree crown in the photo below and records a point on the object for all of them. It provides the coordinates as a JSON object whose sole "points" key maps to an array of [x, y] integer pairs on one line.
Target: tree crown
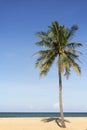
{"points": [[57, 44]]}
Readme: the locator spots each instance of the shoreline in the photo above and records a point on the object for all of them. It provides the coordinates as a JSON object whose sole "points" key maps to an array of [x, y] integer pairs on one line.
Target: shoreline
{"points": [[43, 123]]}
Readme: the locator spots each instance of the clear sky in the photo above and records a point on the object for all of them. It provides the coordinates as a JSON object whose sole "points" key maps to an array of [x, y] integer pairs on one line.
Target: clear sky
{"points": [[21, 88]]}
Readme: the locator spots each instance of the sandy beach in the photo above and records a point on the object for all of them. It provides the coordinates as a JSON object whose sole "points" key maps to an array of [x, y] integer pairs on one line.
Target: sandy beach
{"points": [[74, 123]]}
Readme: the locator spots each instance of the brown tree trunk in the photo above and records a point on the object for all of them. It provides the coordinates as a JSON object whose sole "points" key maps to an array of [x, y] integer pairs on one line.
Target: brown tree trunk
{"points": [[60, 100]]}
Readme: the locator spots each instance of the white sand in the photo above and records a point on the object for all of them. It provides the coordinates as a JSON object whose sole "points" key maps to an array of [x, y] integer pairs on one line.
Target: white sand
{"points": [[76, 123]]}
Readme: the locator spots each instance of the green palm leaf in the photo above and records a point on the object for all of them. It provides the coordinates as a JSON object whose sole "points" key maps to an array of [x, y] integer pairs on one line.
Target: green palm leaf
{"points": [[56, 39]]}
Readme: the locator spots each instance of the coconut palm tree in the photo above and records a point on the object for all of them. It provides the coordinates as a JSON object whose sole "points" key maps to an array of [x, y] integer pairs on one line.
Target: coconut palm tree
{"points": [[56, 42]]}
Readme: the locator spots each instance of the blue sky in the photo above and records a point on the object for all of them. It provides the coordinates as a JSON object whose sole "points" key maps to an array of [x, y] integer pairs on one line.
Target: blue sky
{"points": [[21, 88]]}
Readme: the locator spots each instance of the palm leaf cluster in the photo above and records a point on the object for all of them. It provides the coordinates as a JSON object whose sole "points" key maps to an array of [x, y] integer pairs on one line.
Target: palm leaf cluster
{"points": [[57, 44]]}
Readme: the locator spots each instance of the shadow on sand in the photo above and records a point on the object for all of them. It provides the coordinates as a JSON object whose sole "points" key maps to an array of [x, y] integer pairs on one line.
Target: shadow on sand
{"points": [[57, 121]]}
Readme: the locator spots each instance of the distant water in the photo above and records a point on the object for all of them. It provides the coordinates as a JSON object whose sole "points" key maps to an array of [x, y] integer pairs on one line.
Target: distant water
{"points": [[40, 114]]}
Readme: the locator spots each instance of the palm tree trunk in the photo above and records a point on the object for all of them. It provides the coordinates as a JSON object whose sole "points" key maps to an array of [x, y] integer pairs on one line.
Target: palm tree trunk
{"points": [[60, 100]]}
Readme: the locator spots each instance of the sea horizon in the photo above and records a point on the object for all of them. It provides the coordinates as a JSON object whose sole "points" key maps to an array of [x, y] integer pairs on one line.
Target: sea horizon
{"points": [[41, 114]]}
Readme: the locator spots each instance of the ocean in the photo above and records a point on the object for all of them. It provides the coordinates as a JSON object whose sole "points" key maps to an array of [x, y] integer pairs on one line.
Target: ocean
{"points": [[41, 114]]}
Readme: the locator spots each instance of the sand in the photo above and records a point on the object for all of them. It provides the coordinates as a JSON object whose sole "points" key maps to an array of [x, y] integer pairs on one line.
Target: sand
{"points": [[76, 123]]}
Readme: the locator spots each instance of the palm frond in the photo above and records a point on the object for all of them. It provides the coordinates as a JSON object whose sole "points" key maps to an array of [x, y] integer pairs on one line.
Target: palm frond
{"points": [[43, 56], [46, 39], [67, 73], [72, 55], [46, 66], [41, 34], [71, 31], [77, 52], [39, 61], [65, 65], [68, 61], [45, 60], [55, 30], [74, 45], [74, 65], [77, 68]]}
